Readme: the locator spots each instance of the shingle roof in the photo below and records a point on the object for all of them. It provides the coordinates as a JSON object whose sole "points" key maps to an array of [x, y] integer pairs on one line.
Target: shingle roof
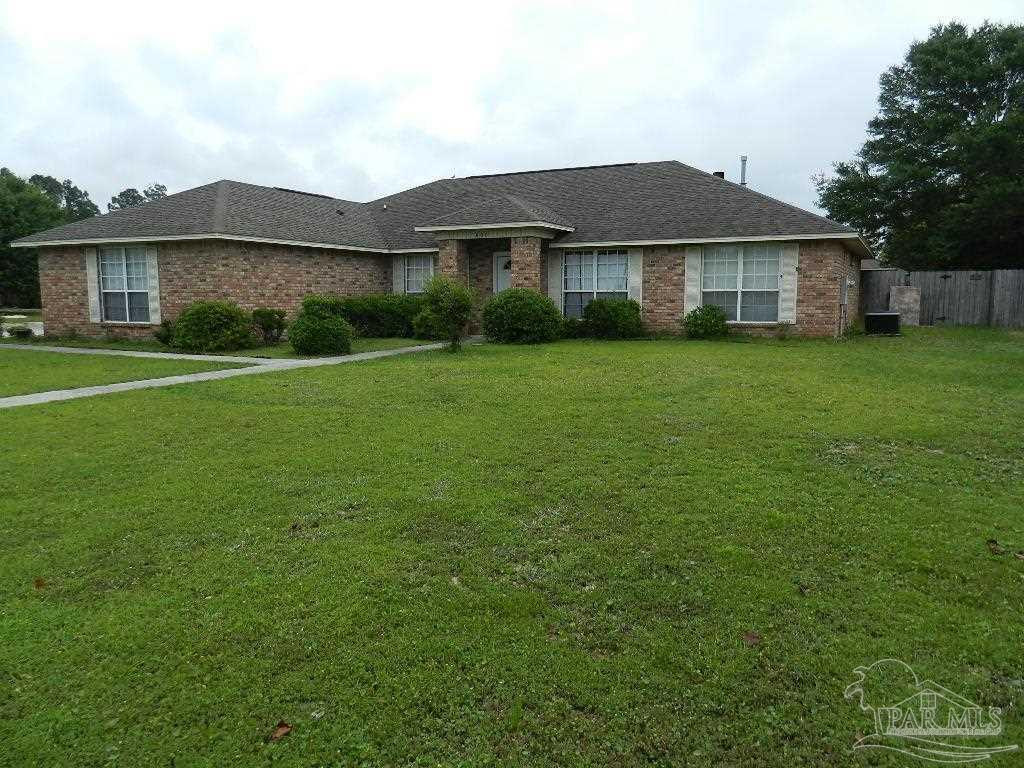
{"points": [[503, 209], [633, 201], [611, 203], [235, 209]]}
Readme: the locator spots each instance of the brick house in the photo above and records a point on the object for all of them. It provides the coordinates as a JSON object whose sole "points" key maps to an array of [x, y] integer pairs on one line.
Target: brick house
{"points": [[665, 234]]}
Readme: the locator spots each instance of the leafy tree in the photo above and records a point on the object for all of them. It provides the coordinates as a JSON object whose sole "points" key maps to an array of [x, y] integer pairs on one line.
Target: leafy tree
{"points": [[940, 181], [74, 202], [24, 209], [132, 198]]}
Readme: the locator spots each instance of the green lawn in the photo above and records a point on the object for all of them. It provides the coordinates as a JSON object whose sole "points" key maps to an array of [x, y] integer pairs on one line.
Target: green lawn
{"points": [[24, 372], [520, 556], [282, 350]]}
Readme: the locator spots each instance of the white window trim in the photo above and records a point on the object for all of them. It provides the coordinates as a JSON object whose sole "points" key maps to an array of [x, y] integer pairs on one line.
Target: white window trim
{"points": [[593, 253], [740, 289], [406, 268], [123, 249]]}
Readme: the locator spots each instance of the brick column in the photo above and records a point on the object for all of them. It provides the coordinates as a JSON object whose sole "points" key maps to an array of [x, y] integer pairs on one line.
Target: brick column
{"points": [[453, 259], [527, 262]]}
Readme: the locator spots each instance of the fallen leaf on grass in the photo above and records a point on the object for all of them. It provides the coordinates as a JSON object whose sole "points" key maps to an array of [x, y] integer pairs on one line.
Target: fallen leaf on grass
{"points": [[995, 548], [752, 638], [282, 730], [804, 589], [39, 583]]}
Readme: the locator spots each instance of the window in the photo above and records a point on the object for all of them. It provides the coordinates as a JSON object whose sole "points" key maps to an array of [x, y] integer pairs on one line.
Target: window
{"points": [[418, 269], [587, 275], [743, 280], [124, 285]]}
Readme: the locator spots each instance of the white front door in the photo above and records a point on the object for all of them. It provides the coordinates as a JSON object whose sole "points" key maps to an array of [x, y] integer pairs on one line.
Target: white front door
{"points": [[502, 271]]}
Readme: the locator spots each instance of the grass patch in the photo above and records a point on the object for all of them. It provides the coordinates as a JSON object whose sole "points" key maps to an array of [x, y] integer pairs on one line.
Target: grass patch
{"points": [[515, 556], [24, 372], [282, 350]]}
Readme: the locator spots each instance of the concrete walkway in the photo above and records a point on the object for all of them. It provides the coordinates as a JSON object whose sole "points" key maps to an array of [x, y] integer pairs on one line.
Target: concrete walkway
{"points": [[155, 355], [263, 366]]}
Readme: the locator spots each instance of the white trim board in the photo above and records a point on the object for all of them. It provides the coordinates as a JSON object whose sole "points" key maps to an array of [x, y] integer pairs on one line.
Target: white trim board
{"points": [[214, 236]]}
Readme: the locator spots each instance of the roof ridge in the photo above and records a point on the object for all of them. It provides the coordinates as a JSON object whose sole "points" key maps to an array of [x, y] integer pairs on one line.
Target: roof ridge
{"points": [[547, 170]]}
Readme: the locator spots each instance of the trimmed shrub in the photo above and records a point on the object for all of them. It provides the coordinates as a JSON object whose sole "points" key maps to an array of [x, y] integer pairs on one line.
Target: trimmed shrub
{"points": [[706, 322], [320, 335], [613, 319], [213, 326], [424, 326], [573, 328], [165, 333], [521, 316], [321, 305], [19, 331], [377, 314], [269, 323], [448, 306]]}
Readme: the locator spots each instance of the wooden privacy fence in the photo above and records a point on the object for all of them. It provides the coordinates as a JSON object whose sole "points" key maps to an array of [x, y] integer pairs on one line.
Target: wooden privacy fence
{"points": [[954, 297]]}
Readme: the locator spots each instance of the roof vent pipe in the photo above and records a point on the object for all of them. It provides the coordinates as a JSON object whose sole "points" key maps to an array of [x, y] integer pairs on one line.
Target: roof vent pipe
{"points": [[719, 174], [743, 170]]}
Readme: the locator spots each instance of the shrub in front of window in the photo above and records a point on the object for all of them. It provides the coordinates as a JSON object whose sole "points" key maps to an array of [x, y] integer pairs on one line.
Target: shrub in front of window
{"points": [[706, 322], [613, 319], [521, 316], [213, 326], [424, 326], [320, 335], [573, 328], [269, 323], [449, 305], [381, 314], [164, 333]]}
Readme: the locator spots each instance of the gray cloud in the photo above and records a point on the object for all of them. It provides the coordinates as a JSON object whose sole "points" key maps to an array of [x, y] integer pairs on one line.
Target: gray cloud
{"points": [[360, 103]]}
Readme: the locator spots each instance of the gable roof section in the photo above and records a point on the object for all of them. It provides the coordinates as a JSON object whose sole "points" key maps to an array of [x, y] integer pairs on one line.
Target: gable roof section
{"points": [[610, 203], [630, 202], [503, 209], [231, 209]]}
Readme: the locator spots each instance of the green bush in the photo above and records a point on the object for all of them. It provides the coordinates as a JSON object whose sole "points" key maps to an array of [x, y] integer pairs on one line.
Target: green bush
{"points": [[448, 305], [613, 319], [706, 322], [213, 326], [521, 316], [377, 314], [312, 334], [269, 323], [165, 333], [573, 328], [424, 326], [322, 305]]}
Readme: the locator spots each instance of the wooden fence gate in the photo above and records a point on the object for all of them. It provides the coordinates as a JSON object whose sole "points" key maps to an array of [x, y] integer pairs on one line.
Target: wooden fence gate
{"points": [[954, 297]]}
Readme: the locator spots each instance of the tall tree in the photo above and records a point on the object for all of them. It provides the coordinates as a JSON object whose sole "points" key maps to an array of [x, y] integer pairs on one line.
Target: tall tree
{"points": [[940, 181], [24, 209], [132, 198], [74, 202]]}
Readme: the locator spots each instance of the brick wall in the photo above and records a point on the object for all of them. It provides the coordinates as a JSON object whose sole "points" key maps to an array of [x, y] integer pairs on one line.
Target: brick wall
{"points": [[824, 265], [250, 274], [663, 287], [264, 275], [528, 263]]}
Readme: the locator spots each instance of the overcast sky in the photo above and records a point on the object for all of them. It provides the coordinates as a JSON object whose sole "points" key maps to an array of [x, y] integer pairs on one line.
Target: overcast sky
{"points": [[362, 100]]}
